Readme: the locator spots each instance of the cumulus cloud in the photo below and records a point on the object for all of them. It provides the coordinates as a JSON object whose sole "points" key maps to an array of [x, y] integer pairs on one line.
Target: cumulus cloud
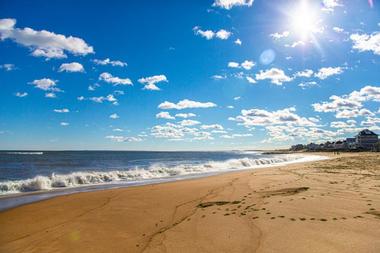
{"points": [[43, 43], [213, 127], [250, 79], [260, 117], [277, 36], [164, 115], [107, 61], [324, 73], [351, 105], [330, 5], [21, 94], [117, 138], [108, 78], [228, 4], [48, 85], [366, 42], [150, 82], [209, 34], [338, 29], [109, 98], [180, 131], [114, 116], [238, 42], [64, 124], [247, 65], [275, 75], [304, 73], [63, 110], [223, 34], [71, 67], [185, 104], [189, 122], [185, 115]]}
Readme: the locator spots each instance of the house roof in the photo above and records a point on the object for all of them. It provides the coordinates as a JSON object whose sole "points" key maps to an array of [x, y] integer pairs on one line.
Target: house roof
{"points": [[366, 132]]}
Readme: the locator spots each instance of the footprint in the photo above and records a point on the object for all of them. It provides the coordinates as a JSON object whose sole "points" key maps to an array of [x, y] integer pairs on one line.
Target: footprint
{"points": [[302, 219], [255, 217], [323, 219]]}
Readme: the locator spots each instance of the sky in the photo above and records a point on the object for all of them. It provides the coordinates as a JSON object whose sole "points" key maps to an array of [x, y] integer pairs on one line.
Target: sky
{"points": [[187, 75]]}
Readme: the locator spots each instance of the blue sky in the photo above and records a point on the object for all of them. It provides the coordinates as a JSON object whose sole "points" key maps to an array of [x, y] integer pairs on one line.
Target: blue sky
{"points": [[195, 75]]}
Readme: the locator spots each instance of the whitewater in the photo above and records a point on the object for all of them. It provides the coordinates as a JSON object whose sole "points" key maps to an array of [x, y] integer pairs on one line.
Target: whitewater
{"points": [[65, 172]]}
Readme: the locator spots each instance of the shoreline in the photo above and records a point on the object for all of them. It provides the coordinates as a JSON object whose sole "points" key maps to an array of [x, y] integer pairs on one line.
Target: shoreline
{"points": [[304, 207], [14, 200]]}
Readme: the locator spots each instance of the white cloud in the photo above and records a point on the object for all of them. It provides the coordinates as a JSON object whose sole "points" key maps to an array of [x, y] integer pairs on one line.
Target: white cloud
{"points": [[233, 64], [209, 34], [110, 98], [251, 80], [117, 138], [351, 105], [213, 126], [330, 5], [50, 95], [223, 34], [237, 98], [185, 104], [247, 65], [305, 85], [342, 124], [275, 75], [366, 42], [277, 36], [180, 131], [304, 73], [21, 94], [114, 116], [324, 73], [164, 115], [228, 4], [219, 77], [46, 84], [150, 82], [64, 124], [189, 122], [71, 67], [43, 43], [185, 115], [260, 117], [238, 42], [338, 29], [8, 66], [107, 61], [63, 110], [108, 78]]}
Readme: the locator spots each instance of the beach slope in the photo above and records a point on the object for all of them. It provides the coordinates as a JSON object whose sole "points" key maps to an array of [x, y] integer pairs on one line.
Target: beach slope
{"points": [[324, 206]]}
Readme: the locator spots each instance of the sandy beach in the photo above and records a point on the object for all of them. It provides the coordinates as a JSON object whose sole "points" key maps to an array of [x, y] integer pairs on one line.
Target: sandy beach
{"points": [[325, 206]]}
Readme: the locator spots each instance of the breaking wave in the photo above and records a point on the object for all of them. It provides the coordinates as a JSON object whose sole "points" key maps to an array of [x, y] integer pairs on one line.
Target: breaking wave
{"points": [[25, 153], [155, 171]]}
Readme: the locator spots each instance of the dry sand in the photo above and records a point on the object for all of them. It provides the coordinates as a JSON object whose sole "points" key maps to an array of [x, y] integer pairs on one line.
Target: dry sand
{"points": [[325, 206]]}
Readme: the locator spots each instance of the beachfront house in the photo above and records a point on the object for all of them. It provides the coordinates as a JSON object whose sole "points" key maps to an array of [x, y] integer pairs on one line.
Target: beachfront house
{"points": [[366, 139]]}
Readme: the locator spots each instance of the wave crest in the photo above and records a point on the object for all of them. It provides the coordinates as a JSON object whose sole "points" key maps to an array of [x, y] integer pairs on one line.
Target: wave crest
{"points": [[156, 171]]}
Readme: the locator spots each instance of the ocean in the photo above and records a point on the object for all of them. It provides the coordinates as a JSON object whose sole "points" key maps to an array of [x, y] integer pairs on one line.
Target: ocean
{"points": [[52, 173]]}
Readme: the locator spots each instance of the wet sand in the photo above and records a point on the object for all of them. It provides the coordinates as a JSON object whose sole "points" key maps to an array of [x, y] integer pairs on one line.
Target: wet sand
{"points": [[324, 206]]}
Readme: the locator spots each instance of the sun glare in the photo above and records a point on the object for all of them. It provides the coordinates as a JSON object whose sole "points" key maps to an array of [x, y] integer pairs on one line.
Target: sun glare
{"points": [[304, 20]]}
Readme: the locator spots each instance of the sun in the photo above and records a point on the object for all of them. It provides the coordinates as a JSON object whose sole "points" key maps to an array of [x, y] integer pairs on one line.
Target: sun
{"points": [[304, 21]]}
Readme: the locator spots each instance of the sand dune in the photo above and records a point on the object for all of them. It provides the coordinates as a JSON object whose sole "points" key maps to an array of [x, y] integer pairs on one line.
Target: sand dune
{"points": [[324, 206]]}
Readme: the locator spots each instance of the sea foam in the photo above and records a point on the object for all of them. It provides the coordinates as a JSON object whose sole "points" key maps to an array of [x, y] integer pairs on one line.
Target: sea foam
{"points": [[155, 171]]}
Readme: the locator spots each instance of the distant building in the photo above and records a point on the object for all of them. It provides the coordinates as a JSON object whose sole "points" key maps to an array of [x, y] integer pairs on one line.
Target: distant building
{"points": [[351, 143], [366, 139]]}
